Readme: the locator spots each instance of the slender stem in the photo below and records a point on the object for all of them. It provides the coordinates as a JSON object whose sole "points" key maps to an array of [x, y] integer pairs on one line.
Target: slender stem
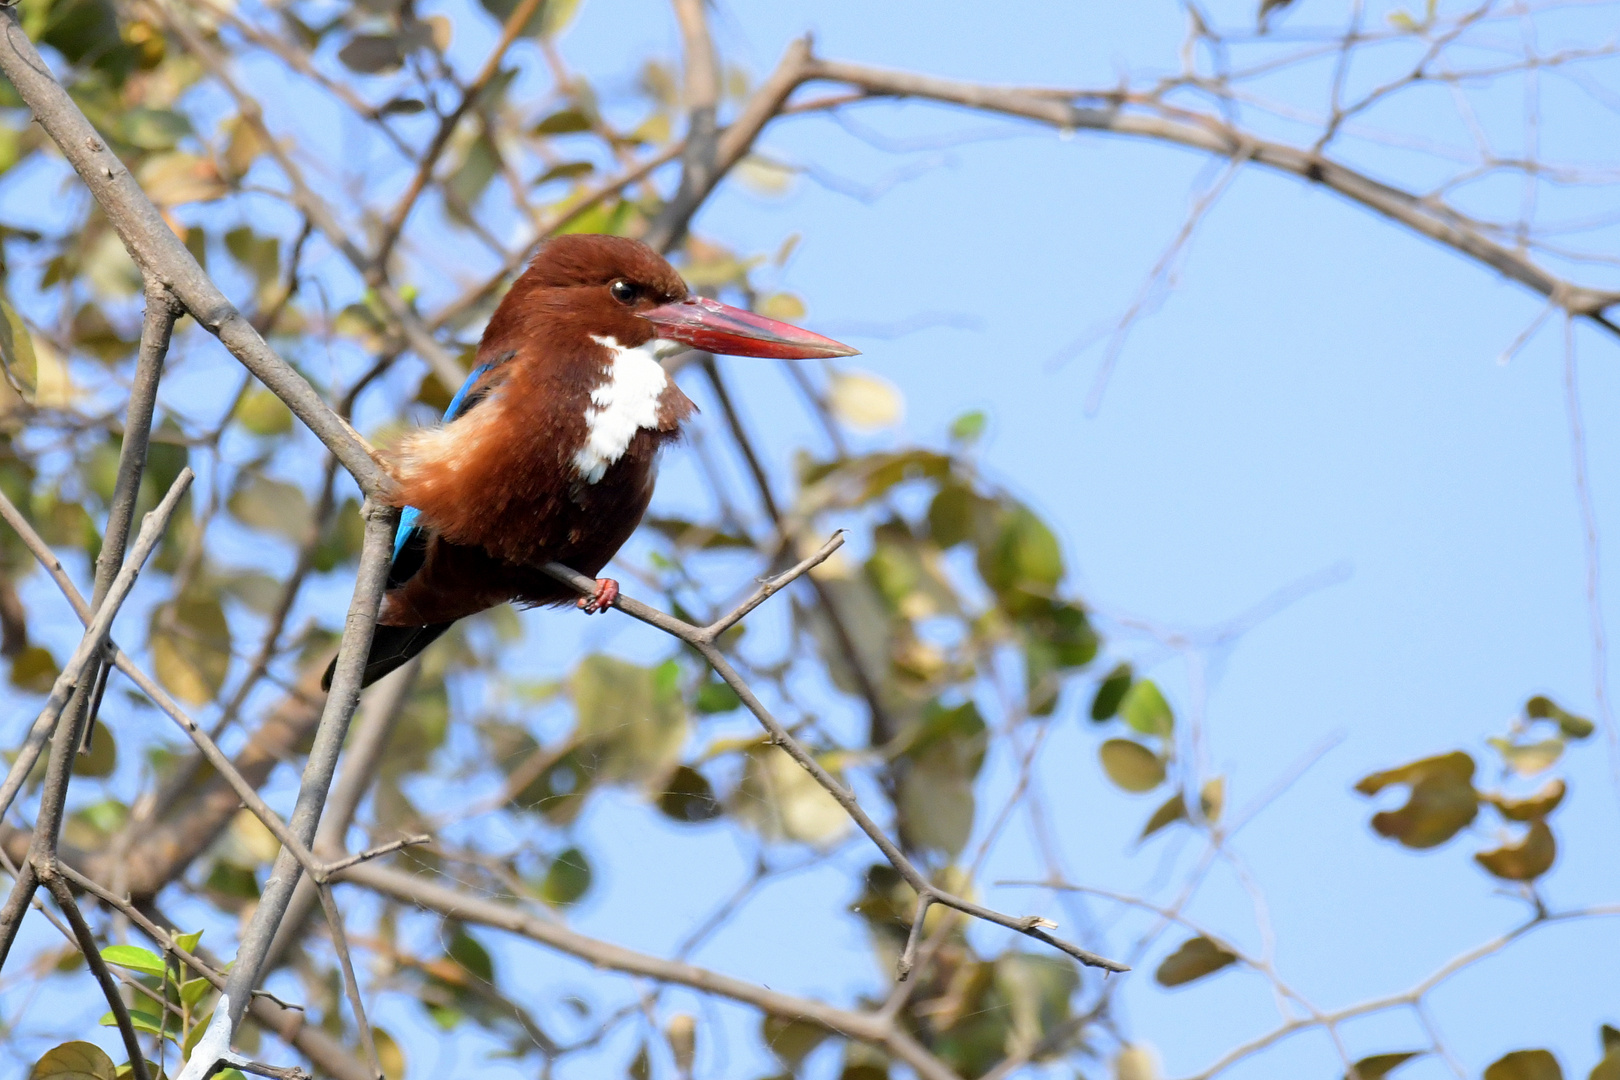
{"points": [[98, 967], [157, 327], [515, 23], [72, 682], [312, 792], [702, 639]]}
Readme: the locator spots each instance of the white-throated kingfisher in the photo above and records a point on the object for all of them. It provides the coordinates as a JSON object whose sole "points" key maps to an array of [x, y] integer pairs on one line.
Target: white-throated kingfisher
{"points": [[548, 452]]}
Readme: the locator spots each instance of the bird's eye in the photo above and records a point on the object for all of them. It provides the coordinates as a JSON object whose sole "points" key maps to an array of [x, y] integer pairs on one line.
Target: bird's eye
{"points": [[623, 292]]}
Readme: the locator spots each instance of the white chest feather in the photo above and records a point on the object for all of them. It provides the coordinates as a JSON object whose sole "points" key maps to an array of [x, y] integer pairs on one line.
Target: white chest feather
{"points": [[624, 404]]}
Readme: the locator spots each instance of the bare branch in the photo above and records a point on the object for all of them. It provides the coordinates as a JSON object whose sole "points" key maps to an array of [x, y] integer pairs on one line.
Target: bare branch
{"points": [[160, 254], [452, 904], [701, 639]]}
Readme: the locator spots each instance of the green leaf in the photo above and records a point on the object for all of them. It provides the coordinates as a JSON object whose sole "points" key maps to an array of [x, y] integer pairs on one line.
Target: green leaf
{"points": [[1111, 692], [1379, 1066], [569, 121], [471, 955], [1196, 958], [189, 941], [717, 697], [272, 506], [102, 757], [1541, 707], [145, 1020], [1025, 556], [373, 54], [791, 1040], [633, 719], [566, 170], [969, 426], [17, 353], [262, 413], [1130, 765], [34, 669], [1525, 1065], [1146, 711], [567, 878], [477, 168], [74, 1061], [193, 991], [134, 958], [688, 797]]}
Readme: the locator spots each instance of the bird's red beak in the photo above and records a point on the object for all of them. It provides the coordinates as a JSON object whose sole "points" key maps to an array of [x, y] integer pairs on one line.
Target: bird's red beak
{"points": [[720, 328]]}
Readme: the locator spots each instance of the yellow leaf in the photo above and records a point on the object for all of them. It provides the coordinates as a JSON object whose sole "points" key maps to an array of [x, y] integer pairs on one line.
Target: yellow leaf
{"points": [[53, 383], [865, 401], [781, 306], [1131, 765], [1138, 1061], [784, 802], [176, 178], [763, 176], [1526, 860]]}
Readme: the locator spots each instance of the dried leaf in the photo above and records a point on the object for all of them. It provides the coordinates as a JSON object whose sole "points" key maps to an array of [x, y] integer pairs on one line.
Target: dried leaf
{"points": [[191, 647], [1171, 810], [177, 178], [1539, 805], [1378, 1066], [1525, 1065], [1526, 860], [783, 802], [1528, 759], [1196, 958], [1542, 707], [781, 305], [389, 1054], [1130, 765], [1442, 802], [762, 176]]}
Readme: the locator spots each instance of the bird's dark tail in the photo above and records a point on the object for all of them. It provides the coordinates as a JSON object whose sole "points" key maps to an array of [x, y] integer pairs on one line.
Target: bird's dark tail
{"points": [[391, 647]]}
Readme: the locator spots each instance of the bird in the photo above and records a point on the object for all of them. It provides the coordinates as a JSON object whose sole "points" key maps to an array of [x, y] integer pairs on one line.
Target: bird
{"points": [[549, 450]]}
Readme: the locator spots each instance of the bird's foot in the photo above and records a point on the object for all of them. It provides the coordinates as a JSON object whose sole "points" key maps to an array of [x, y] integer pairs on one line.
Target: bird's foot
{"points": [[607, 591]]}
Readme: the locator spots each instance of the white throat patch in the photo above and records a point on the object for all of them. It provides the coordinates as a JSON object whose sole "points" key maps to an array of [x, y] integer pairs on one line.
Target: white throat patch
{"points": [[623, 405]]}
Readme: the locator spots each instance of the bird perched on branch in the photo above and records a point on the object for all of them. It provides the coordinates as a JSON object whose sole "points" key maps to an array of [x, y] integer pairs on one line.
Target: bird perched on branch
{"points": [[548, 452]]}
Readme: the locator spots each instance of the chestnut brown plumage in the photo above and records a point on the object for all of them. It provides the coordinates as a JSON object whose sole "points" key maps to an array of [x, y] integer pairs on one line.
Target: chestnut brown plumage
{"points": [[548, 453]]}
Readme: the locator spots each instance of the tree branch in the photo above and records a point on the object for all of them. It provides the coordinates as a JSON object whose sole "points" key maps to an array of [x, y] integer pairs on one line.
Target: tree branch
{"points": [[702, 638], [864, 1027], [162, 257]]}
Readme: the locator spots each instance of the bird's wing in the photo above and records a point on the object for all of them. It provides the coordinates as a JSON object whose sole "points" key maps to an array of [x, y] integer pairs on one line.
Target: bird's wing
{"points": [[410, 539]]}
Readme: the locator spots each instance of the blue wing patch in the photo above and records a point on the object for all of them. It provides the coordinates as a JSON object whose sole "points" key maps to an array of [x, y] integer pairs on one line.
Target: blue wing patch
{"points": [[410, 540]]}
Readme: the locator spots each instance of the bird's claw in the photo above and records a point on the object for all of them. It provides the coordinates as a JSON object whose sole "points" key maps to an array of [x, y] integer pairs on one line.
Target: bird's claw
{"points": [[607, 591]]}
